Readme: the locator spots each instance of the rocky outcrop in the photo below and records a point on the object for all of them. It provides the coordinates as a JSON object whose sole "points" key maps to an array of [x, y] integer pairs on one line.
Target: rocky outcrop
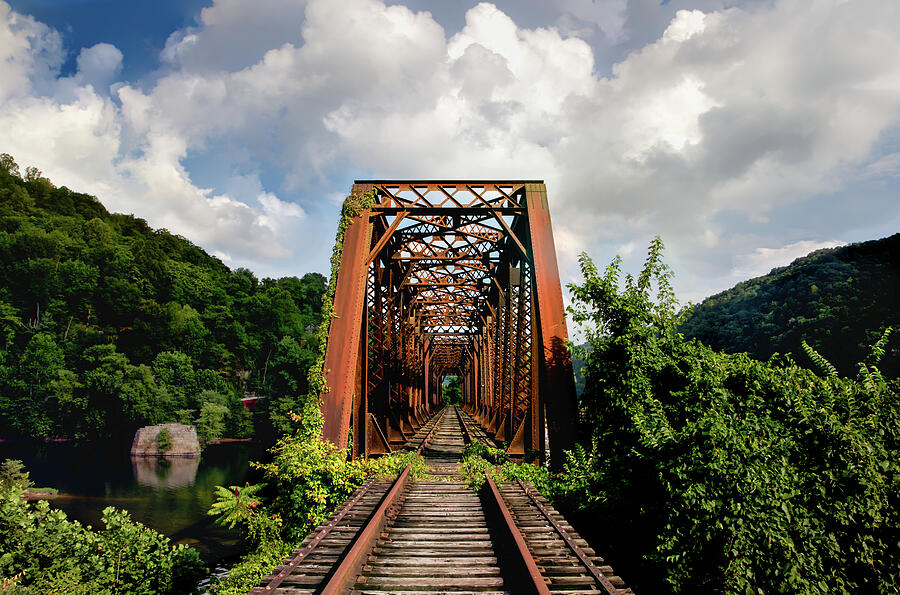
{"points": [[184, 441]]}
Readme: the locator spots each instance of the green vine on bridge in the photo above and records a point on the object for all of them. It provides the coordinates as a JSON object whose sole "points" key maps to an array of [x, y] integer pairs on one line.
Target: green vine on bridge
{"points": [[310, 420]]}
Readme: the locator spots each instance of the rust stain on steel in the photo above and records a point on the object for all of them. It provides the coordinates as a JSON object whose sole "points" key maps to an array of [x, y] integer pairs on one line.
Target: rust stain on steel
{"points": [[342, 354], [345, 574], [557, 376], [535, 581]]}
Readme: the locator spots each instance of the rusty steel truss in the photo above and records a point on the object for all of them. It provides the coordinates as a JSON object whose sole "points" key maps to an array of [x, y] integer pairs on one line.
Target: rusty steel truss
{"points": [[443, 278]]}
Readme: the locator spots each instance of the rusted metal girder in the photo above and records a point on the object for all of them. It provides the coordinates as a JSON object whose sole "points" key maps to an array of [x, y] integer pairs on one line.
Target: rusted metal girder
{"points": [[342, 355], [557, 380], [445, 278]]}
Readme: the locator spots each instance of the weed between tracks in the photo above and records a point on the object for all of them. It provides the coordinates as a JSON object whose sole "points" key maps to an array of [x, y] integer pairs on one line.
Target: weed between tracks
{"points": [[480, 460]]}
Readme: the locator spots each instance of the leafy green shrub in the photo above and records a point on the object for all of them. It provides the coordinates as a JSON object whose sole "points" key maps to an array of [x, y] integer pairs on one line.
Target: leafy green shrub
{"points": [[480, 460], [309, 477], [306, 480], [211, 421], [477, 448], [721, 473], [253, 566], [44, 552], [164, 440], [13, 475], [537, 475], [474, 468]]}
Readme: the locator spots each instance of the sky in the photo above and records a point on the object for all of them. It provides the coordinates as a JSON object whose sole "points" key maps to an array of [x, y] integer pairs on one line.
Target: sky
{"points": [[745, 133]]}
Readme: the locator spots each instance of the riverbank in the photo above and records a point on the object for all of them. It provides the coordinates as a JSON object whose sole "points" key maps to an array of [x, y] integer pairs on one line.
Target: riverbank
{"points": [[170, 496], [41, 494]]}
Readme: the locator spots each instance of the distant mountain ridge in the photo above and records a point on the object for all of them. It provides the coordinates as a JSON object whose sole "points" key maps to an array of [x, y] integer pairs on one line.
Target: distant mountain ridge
{"points": [[838, 299]]}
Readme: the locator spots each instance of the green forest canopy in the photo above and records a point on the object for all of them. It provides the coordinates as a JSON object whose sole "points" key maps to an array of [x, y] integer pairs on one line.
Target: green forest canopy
{"points": [[107, 324]]}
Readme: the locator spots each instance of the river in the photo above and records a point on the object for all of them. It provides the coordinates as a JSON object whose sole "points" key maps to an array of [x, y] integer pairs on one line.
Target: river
{"points": [[169, 496]]}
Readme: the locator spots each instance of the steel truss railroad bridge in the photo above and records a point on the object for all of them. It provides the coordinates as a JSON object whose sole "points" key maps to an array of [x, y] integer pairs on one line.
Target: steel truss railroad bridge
{"points": [[441, 278]]}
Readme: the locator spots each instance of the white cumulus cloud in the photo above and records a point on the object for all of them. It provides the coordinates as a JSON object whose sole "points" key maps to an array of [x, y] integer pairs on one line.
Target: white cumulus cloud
{"points": [[726, 119], [762, 260]]}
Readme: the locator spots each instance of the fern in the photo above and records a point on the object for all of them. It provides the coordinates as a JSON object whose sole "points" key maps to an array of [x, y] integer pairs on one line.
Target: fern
{"points": [[235, 505]]}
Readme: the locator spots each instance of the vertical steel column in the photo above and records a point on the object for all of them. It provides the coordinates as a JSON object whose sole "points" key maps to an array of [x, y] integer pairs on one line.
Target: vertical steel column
{"points": [[536, 413], [476, 377], [360, 416], [556, 375], [342, 352], [426, 377]]}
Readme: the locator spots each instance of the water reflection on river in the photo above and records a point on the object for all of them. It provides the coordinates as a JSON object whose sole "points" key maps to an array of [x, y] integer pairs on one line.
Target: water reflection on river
{"points": [[171, 496], [175, 472]]}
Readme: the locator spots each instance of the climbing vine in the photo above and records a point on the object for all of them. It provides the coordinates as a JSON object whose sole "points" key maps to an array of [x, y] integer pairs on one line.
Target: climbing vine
{"points": [[310, 419]]}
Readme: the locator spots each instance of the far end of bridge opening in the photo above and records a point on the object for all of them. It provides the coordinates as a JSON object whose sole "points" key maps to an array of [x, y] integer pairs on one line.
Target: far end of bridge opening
{"points": [[441, 279]]}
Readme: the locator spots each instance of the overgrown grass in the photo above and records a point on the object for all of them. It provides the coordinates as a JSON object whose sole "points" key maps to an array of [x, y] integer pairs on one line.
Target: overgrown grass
{"points": [[480, 460]]}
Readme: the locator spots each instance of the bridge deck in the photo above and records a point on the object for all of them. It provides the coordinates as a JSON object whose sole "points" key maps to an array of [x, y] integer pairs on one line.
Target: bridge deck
{"points": [[436, 535]]}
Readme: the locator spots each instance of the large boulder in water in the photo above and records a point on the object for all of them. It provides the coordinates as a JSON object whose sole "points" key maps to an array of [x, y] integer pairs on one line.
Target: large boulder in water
{"points": [[183, 438]]}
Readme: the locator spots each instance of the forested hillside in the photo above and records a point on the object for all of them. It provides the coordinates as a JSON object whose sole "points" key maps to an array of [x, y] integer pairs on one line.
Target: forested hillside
{"points": [[838, 300], [107, 324]]}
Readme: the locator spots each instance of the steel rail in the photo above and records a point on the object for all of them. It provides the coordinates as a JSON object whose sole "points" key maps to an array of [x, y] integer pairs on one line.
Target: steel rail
{"points": [[345, 574], [522, 557], [431, 433], [574, 547], [352, 562], [536, 582], [467, 436], [288, 568]]}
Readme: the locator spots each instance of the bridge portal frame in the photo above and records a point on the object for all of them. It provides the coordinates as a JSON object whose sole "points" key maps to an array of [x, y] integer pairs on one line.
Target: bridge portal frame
{"points": [[449, 276]]}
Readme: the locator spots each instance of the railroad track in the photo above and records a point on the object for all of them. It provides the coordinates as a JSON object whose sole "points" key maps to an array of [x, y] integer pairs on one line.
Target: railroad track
{"points": [[436, 535]]}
